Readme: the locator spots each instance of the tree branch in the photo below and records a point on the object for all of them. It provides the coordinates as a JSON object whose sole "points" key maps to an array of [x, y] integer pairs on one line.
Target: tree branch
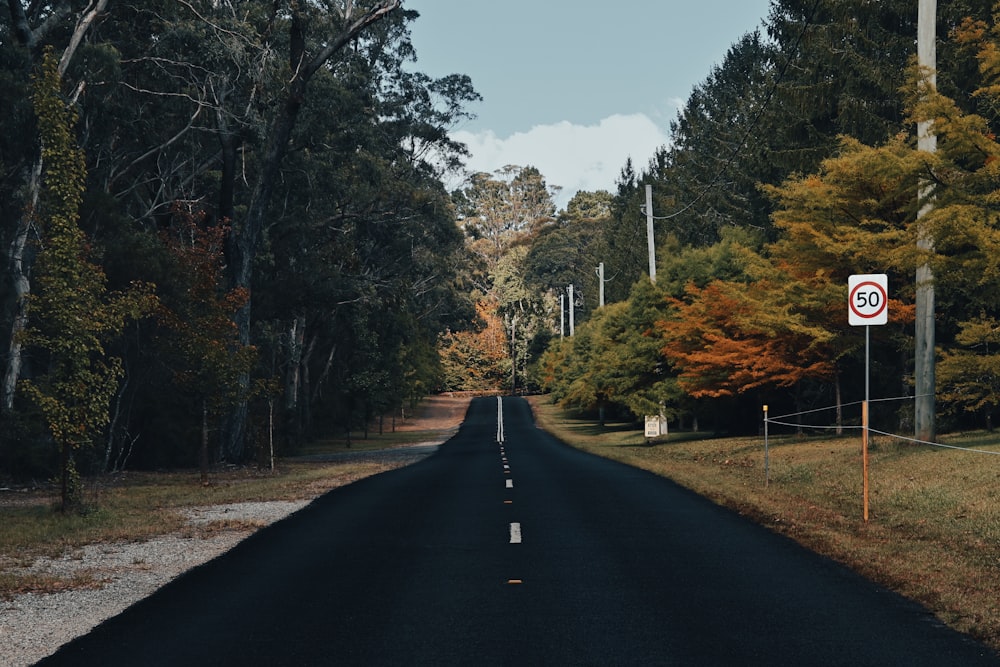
{"points": [[353, 30], [83, 24]]}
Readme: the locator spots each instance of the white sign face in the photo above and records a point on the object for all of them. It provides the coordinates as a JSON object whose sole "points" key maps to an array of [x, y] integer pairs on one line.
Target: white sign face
{"points": [[868, 299], [652, 426]]}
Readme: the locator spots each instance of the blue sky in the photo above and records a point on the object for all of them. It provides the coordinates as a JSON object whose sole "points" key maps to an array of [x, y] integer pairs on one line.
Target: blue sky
{"points": [[576, 88]]}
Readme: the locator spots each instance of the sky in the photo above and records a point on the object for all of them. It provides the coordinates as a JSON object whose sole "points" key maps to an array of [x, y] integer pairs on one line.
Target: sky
{"points": [[576, 88]]}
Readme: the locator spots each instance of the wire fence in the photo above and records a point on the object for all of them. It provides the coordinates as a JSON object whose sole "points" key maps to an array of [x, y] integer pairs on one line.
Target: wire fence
{"points": [[781, 420]]}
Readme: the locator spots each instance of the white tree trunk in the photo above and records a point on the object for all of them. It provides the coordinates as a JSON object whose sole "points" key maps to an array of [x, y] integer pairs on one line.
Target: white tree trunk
{"points": [[19, 265]]}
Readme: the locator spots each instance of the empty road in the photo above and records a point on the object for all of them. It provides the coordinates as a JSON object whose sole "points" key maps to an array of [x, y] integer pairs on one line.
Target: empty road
{"points": [[506, 547]]}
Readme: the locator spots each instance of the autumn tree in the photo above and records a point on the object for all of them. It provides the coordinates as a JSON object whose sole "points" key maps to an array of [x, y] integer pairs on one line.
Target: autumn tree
{"points": [[201, 339], [968, 374], [477, 359]]}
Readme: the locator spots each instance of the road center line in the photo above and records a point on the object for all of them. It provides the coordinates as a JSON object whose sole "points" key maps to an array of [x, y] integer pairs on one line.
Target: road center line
{"points": [[515, 533], [510, 484]]}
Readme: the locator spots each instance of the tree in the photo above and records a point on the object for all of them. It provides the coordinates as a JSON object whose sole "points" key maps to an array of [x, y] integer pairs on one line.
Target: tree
{"points": [[497, 213], [73, 313], [479, 359], [30, 28], [644, 380], [719, 350], [567, 251], [248, 233], [707, 179], [202, 338], [968, 376]]}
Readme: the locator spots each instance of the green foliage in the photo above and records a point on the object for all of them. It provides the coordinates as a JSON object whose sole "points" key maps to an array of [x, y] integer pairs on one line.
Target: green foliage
{"points": [[968, 376], [763, 310], [355, 268], [73, 314]]}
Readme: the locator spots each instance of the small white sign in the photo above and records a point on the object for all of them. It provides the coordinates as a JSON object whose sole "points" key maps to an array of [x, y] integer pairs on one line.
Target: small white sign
{"points": [[868, 299], [652, 426]]}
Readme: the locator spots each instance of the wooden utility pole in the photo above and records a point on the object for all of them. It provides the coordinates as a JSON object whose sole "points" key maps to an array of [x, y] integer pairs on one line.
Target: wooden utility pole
{"points": [[513, 354], [650, 243], [600, 285], [562, 314], [572, 304], [923, 407]]}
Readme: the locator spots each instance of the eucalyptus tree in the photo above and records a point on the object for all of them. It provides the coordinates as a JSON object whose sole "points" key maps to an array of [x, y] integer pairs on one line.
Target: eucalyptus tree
{"points": [[366, 230], [497, 211]]}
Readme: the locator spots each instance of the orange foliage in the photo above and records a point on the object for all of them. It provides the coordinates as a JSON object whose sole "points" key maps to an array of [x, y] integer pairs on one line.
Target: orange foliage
{"points": [[713, 341]]}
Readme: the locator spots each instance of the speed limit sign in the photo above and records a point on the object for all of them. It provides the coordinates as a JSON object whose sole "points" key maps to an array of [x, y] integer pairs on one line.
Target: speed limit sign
{"points": [[868, 299]]}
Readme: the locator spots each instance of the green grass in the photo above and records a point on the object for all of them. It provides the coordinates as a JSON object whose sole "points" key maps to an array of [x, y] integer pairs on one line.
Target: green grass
{"points": [[934, 524]]}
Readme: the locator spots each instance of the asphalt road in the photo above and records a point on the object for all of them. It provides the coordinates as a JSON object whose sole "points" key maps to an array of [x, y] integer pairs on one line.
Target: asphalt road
{"points": [[525, 552]]}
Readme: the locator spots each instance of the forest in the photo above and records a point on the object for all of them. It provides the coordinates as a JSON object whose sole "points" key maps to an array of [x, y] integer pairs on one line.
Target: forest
{"points": [[226, 230]]}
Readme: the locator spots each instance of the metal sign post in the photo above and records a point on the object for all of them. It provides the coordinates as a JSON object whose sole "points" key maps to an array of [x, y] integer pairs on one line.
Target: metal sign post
{"points": [[867, 305]]}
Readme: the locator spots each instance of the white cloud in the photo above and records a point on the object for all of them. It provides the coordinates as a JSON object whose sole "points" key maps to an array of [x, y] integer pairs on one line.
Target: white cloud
{"points": [[575, 157]]}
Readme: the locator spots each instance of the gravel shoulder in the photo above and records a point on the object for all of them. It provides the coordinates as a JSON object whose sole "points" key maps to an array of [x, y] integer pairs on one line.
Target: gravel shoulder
{"points": [[33, 626]]}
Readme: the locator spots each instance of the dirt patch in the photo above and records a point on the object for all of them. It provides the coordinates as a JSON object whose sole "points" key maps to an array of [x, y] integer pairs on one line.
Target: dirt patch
{"points": [[437, 413]]}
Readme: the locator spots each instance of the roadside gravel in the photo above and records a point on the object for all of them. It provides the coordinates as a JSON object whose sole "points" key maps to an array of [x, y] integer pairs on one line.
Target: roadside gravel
{"points": [[35, 625]]}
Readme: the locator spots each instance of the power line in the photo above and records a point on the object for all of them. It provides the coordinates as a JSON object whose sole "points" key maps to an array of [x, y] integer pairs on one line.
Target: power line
{"points": [[767, 100]]}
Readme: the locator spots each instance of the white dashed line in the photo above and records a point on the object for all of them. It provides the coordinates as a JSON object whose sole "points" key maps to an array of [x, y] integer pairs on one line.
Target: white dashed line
{"points": [[510, 484], [515, 533]]}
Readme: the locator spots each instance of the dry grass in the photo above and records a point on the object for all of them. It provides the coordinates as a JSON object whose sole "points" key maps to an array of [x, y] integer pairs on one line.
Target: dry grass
{"points": [[934, 523]]}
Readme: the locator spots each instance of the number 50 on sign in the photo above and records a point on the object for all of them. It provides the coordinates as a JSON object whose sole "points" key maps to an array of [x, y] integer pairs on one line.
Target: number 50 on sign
{"points": [[868, 299]]}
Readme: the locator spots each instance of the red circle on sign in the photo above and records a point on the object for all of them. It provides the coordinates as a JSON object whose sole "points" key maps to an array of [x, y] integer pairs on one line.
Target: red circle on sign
{"points": [[885, 300]]}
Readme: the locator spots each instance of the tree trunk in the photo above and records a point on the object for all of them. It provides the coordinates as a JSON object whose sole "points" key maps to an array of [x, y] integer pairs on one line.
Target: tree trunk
{"points": [[293, 378], [19, 267], [203, 453]]}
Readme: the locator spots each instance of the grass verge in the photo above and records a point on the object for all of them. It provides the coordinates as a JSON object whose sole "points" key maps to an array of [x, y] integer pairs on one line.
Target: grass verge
{"points": [[136, 506], [934, 523]]}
